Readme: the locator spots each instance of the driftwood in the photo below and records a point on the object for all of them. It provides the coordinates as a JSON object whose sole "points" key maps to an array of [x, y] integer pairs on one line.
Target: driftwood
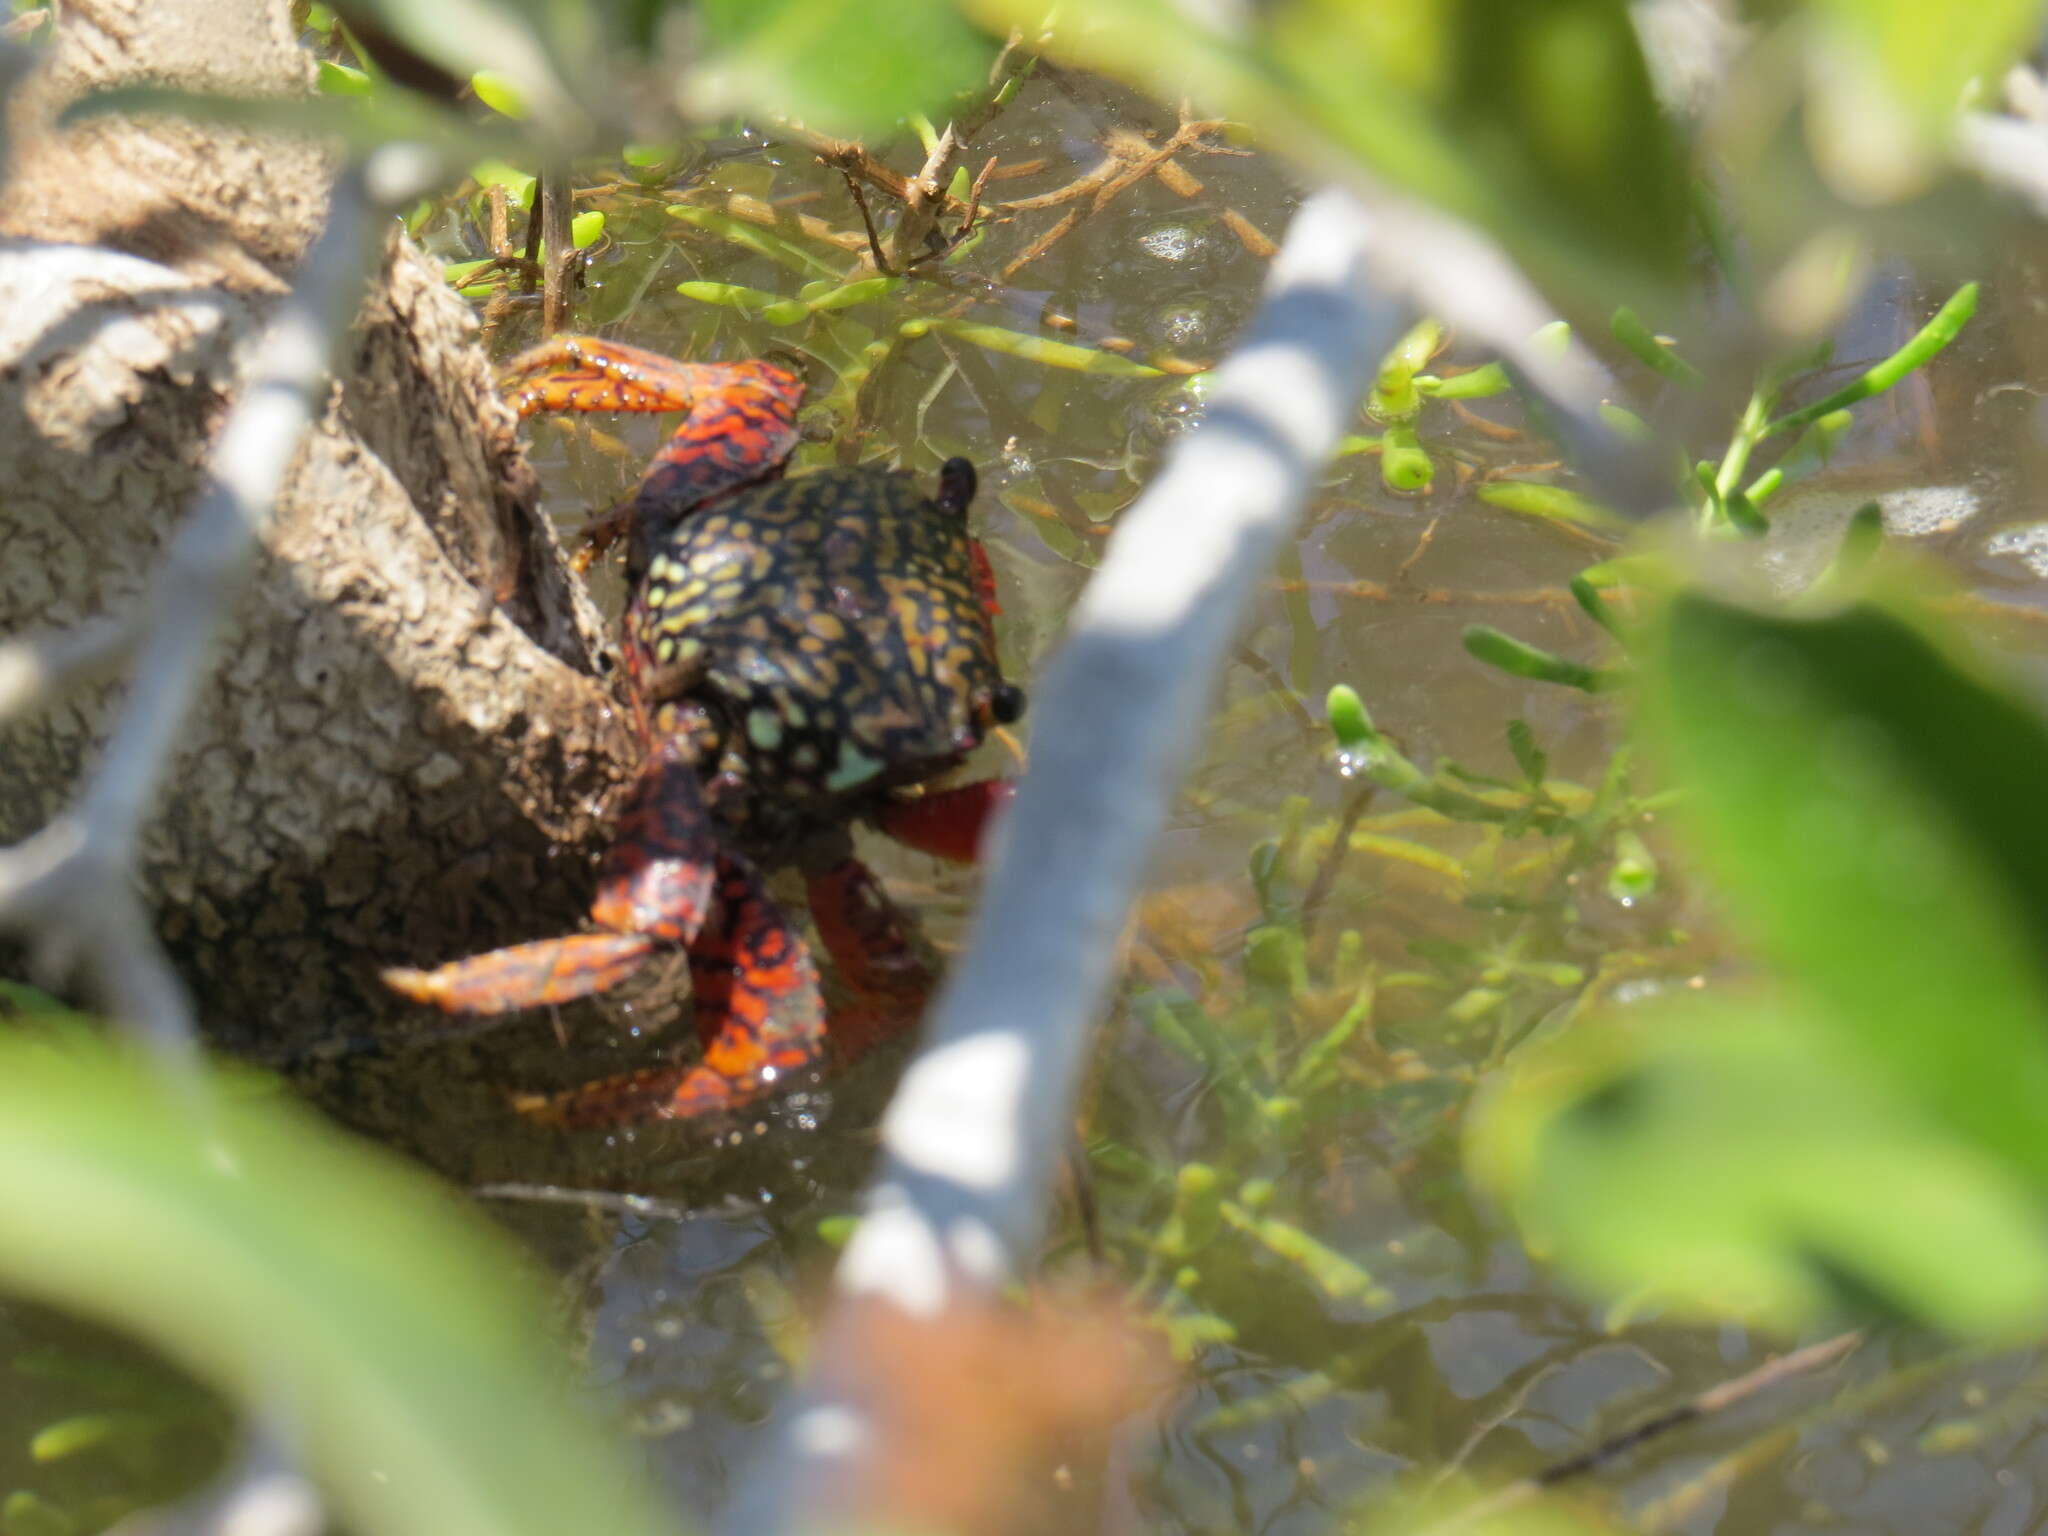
{"points": [[407, 745]]}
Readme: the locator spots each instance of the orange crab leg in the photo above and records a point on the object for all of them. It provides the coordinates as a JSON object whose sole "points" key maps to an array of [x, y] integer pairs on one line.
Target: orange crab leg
{"points": [[740, 427], [526, 975], [655, 888], [949, 822], [758, 1013]]}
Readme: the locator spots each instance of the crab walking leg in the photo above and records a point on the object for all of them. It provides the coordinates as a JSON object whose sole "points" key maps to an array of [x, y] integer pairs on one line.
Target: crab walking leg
{"points": [[740, 427], [869, 939], [864, 931], [658, 877], [758, 1013], [526, 975], [948, 823], [656, 888]]}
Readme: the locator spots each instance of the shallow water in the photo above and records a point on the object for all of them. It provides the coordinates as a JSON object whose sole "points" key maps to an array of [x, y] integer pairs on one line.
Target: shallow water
{"points": [[1457, 1351], [1462, 1353]]}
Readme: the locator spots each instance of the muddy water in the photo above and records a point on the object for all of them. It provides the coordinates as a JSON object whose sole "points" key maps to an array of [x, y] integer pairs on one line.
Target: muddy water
{"points": [[1297, 1401]]}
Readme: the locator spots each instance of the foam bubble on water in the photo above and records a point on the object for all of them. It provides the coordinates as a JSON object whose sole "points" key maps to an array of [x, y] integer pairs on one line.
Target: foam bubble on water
{"points": [[2028, 542], [1807, 523]]}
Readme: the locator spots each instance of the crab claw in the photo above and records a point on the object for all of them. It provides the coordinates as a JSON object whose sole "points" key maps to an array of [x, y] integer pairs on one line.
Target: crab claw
{"points": [[949, 822]]}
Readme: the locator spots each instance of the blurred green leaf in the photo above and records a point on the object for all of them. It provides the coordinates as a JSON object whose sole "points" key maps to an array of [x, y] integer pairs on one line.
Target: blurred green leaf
{"points": [[23, 1513], [497, 93], [1929, 52], [585, 228], [1552, 501], [1529, 757], [344, 80], [519, 185], [1535, 122], [844, 66], [518, 43], [1875, 815], [1633, 877], [1652, 350], [405, 1337], [1736, 1158], [359, 123]]}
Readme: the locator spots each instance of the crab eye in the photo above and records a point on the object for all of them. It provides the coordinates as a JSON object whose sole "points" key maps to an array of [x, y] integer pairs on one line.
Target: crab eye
{"points": [[1006, 703], [956, 485]]}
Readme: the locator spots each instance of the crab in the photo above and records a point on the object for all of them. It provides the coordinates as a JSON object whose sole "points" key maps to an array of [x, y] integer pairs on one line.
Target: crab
{"points": [[801, 654]]}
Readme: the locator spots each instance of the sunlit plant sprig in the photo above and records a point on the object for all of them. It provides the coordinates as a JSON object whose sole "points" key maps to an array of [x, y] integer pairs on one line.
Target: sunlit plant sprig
{"points": [[1726, 501]]}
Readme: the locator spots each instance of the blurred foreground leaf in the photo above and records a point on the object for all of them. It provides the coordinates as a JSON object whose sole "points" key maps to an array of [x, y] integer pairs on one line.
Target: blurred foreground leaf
{"points": [[1535, 122], [1876, 818], [1733, 1157], [844, 66], [404, 1342]]}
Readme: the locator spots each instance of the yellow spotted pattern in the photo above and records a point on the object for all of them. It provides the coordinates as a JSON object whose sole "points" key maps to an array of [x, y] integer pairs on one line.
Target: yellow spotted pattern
{"points": [[829, 622]]}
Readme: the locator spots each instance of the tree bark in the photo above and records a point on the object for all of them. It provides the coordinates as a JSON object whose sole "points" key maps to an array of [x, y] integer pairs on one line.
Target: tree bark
{"points": [[406, 747]]}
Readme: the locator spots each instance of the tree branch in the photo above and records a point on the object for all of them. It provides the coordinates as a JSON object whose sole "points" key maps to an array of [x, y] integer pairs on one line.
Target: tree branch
{"points": [[973, 1139]]}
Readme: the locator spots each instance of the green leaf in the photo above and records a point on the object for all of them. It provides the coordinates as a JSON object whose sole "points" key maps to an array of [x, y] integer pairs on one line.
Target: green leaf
{"points": [[1874, 814], [513, 41], [1630, 331], [519, 185], [1404, 463], [1535, 122], [585, 228], [1553, 501], [404, 1337], [497, 93], [1349, 722], [1035, 349], [1929, 52], [1520, 659], [845, 66], [344, 80], [1529, 757], [1736, 1158]]}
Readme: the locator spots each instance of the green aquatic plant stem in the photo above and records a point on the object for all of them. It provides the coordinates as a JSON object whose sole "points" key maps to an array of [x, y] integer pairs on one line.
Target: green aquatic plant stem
{"points": [[1930, 340]]}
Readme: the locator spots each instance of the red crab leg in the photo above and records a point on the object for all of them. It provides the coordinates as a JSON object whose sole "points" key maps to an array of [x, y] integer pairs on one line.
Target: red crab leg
{"points": [[870, 941], [655, 887], [759, 1014], [948, 822], [741, 423], [864, 931]]}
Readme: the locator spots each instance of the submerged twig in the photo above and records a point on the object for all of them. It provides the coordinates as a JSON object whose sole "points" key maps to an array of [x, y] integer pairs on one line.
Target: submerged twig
{"points": [[1715, 1399], [974, 1137]]}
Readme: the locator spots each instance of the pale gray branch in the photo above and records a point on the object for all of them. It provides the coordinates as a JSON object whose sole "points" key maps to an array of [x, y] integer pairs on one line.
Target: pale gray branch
{"points": [[973, 1138], [38, 668], [263, 1494]]}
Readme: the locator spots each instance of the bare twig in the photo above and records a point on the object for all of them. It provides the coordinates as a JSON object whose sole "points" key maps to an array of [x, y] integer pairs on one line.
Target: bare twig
{"points": [[974, 1137], [70, 886], [1716, 1399], [558, 247]]}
